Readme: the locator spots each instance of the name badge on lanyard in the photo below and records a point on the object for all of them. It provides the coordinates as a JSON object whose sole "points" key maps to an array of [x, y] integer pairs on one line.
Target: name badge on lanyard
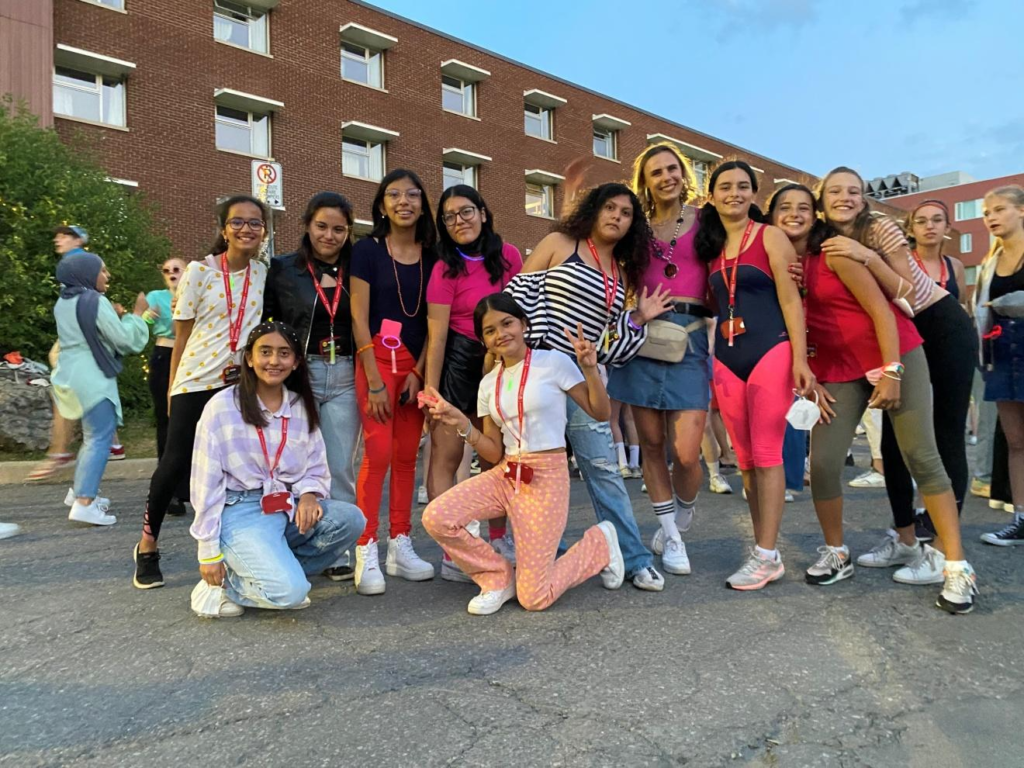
{"points": [[516, 470], [275, 497], [734, 326], [327, 346], [233, 372]]}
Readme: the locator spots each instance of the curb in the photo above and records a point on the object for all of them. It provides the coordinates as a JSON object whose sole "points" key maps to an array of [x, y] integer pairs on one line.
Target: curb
{"points": [[15, 472]]}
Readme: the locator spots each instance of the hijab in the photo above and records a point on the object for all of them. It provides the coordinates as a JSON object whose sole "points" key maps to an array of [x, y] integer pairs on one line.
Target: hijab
{"points": [[77, 273]]}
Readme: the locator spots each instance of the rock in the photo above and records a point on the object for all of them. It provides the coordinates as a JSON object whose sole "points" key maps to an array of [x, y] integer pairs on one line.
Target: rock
{"points": [[26, 411]]}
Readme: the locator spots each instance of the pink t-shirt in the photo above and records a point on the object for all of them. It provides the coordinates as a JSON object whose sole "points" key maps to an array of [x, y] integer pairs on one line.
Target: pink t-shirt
{"points": [[464, 292]]}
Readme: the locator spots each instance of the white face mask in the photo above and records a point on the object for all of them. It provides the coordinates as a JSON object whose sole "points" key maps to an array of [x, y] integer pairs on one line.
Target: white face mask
{"points": [[803, 414]]}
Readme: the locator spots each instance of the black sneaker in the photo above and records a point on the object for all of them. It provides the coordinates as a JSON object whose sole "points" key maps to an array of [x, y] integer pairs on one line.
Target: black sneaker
{"points": [[340, 573], [147, 569], [176, 508], [1009, 536], [924, 528], [832, 566]]}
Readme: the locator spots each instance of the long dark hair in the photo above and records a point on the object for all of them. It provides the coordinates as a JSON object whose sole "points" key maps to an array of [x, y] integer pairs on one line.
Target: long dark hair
{"points": [[426, 233], [297, 382], [499, 302], [633, 252], [819, 229], [862, 223], [224, 209], [488, 245], [711, 235], [320, 200]]}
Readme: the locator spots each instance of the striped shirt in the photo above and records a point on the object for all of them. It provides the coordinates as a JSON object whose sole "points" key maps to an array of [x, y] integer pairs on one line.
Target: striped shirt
{"points": [[571, 293], [885, 237]]}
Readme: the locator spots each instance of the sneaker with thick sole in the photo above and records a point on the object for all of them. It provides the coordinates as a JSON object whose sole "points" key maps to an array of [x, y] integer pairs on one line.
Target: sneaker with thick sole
{"points": [[626, 472], [789, 498], [833, 565], [648, 579], [369, 578], [92, 514], [7, 530], [869, 479], [451, 572], [487, 603], [340, 573], [1010, 536], [674, 559], [69, 499], [615, 572], [981, 488], [888, 552], [658, 541], [403, 561], [756, 573], [1005, 506], [718, 484], [147, 569], [116, 453], [959, 590], [926, 568]]}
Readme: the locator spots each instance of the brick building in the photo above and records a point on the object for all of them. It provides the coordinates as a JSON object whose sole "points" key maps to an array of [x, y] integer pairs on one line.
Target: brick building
{"points": [[179, 98]]}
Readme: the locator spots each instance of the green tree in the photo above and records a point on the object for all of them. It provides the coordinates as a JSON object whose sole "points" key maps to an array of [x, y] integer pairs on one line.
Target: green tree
{"points": [[45, 183]]}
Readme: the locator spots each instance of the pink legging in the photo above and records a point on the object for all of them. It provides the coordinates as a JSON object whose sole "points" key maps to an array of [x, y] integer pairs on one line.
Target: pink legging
{"points": [[538, 516], [755, 410]]}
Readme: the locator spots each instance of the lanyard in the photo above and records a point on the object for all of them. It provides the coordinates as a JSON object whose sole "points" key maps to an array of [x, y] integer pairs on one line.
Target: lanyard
{"points": [[611, 285], [332, 308], [234, 328], [522, 388], [280, 448], [943, 273], [730, 278]]}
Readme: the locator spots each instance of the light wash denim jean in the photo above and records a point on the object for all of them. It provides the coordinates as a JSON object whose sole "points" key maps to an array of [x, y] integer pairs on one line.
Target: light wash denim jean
{"points": [[98, 427], [268, 559], [595, 456], [334, 389]]}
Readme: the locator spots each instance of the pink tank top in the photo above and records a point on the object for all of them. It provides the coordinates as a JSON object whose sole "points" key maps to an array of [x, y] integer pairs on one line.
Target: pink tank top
{"points": [[691, 274]]}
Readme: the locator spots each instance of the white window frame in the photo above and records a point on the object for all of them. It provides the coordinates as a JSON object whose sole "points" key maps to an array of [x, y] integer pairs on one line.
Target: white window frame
{"points": [[465, 90], [368, 59], [253, 120], [368, 146], [546, 193], [467, 174], [97, 90], [963, 213], [966, 242], [114, 5], [230, 11], [701, 171], [611, 139], [543, 115]]}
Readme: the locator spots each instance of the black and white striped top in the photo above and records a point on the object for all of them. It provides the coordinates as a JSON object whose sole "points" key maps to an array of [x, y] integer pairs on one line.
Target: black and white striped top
{"points": [[571, 293]]}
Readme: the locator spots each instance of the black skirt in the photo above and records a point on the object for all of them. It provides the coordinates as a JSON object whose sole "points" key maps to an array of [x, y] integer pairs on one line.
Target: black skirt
{"points": [[463, 369]]}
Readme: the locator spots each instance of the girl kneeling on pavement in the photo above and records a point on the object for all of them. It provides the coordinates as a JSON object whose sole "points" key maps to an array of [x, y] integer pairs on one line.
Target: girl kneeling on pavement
{"points": [[524, 436], [261, 485]]}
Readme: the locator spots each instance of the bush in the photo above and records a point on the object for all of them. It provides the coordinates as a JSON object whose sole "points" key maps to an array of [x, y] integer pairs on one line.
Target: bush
{"points": [[45, 183]]}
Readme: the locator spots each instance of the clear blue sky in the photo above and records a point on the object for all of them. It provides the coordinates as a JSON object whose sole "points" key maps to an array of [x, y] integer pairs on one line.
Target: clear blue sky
{"points": [[885, 86]]}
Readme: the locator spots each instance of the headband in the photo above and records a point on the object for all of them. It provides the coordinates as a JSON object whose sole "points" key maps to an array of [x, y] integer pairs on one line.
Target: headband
{"points": [[273, 326], [936, 203]]}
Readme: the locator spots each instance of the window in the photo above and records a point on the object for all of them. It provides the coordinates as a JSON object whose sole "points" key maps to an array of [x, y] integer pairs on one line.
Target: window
{"points": [[971, 275], [116, 4], [971, 209], [966, 243], [605, 143], [701, 169], [362, 65], [454, 173], [240, 25], [458, 96], [362, 159], [538, 121], [246, 132], [88, 97], [540, 200]]}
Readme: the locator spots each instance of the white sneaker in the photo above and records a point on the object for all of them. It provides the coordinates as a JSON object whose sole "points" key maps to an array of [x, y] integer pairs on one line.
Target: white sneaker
{"points": [[69, 499], [649, 580], [959, 590], [658, 541], [229, 610], [615, 572], [719, 484], [369, 579], [674, 559], [94, 514], [8, 529], [506, 547], [869, 479], [636, 473], [684, 515], [888, 552], [926, 569], [421, 496], [625, 471], [789, 497], [451, 572], [487, 603], [403, 561], [306, 602]]}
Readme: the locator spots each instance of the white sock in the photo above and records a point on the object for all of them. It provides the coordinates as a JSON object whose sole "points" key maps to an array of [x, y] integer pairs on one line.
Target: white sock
{"points": [[957, 565], [634, 455], [713, 468], [620, 449], [845, 550], [665, 510], [768, 554]]}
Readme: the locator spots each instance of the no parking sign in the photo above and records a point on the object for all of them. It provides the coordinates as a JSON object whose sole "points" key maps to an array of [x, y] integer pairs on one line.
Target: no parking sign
{"points": [[267, 183]]}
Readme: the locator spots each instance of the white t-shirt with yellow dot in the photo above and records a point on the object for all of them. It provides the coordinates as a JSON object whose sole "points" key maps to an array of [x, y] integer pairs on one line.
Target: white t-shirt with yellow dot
{"points": [[201, 298]]}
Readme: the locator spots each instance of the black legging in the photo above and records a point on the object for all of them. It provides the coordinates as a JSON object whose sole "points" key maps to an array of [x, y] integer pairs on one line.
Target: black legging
{"points": [[1000, 466], [951, 347], [159, 380], [176, 463]]}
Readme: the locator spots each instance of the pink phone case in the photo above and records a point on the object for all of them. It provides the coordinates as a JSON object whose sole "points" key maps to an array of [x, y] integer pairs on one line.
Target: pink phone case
{"points": [[391, 328]]}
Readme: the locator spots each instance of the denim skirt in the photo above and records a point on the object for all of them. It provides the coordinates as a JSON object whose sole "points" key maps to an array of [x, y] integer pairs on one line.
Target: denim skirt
{"points": [[1005, 378], [681, 386]]}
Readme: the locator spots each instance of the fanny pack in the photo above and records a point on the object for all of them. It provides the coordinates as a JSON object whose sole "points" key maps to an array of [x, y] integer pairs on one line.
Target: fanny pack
{"points": [[667, 341]]}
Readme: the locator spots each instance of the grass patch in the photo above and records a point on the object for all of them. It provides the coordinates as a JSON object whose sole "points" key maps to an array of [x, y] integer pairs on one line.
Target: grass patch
{"points": [[138, 436]]}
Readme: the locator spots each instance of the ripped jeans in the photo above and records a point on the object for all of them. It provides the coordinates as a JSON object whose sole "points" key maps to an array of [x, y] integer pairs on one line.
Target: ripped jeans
{"points": [[595, 455]]}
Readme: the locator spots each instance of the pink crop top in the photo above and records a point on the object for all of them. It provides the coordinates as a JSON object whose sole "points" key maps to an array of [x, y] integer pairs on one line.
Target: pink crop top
{"points": [[691, 277]]}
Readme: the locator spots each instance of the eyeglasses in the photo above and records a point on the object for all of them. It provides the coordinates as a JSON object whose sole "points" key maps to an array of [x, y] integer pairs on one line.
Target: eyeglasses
{"points": [[938, 220], [466, 214], [256, 225], [171, 270], [394, 195]]}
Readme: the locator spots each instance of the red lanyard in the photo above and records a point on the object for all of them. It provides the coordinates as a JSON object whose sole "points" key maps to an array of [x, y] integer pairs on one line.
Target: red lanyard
{"points": [[522, 388], [730, 278], [943, 273], [234, 328], [611, 286], [280, 448], [332, 308]]}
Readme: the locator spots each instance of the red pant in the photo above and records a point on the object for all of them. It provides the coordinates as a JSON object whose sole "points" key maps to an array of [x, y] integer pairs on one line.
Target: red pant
{"points": [[393, 444]]}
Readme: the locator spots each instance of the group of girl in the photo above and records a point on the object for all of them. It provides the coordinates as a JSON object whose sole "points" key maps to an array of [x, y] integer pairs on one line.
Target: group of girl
{"points": [[274, 374]]}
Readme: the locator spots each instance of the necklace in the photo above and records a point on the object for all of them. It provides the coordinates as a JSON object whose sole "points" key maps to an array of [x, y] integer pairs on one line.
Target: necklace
{"points": [[671, 270], [943, 274], [398, 283]]}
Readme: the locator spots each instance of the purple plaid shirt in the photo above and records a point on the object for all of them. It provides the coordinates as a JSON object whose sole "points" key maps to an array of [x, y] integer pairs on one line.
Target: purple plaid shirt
{"points": [[228, 457]]}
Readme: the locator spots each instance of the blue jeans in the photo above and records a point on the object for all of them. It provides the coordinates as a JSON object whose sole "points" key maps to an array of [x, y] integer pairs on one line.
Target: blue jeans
{"points": [[267, 558], [98, 427], [794, 452], [595, 456], [334, 389]]}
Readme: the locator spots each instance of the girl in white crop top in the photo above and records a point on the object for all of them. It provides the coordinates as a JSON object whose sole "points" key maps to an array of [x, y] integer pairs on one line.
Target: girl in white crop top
{"points": [[522, 403]]}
